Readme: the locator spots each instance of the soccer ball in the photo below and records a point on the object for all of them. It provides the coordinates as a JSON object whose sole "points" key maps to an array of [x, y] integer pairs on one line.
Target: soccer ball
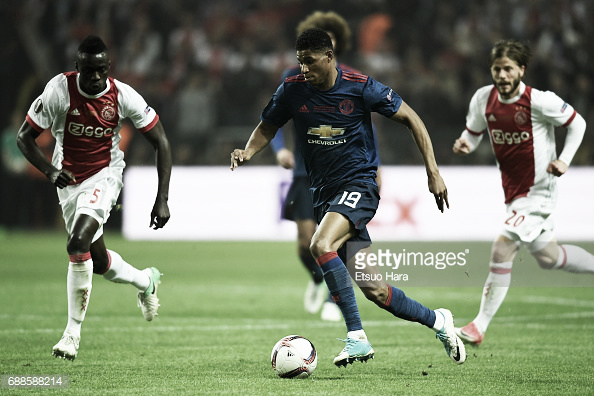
{"points": [[294, 356]]}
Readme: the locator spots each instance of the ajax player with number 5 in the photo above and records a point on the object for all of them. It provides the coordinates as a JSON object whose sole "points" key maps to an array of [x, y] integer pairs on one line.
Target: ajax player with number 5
{"points": [[520, 121], [331, 110], [85, 110]]}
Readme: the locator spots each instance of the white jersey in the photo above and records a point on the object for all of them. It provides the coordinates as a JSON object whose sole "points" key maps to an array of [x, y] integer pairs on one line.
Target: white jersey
{"points": [[86, 127], [521, 130]]}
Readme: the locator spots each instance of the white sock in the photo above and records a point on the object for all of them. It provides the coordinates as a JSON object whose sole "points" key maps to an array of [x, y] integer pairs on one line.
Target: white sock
{"points": [[439, 321], [494, 293], [357, 334], [78, 287], [575, 259], [121, 272]]}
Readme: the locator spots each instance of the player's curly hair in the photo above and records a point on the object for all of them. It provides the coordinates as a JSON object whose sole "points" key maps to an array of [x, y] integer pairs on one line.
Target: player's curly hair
{"points": [[330, 22], [314, 40], [513, 49], [92, 45]]}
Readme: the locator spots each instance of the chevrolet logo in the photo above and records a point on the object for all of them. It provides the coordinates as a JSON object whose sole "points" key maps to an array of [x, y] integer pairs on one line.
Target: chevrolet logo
{"points": [[326, 131]]}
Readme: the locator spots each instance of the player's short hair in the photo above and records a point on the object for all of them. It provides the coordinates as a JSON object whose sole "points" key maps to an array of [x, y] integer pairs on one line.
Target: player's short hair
{"points": [[315, 39], [513, 49], [92, 45], [330, 22]]}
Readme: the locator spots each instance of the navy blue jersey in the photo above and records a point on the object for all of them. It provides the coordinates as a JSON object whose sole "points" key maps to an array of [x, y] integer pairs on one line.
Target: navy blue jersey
{"points": [[333, 128]]}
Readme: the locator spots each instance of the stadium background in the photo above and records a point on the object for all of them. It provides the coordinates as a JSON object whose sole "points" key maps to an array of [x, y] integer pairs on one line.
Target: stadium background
{"points": [[225, 303], [208, 68]]}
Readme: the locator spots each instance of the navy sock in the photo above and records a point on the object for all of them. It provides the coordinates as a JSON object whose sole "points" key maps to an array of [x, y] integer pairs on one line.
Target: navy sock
{"points": [[339, 283], [408, 309]]}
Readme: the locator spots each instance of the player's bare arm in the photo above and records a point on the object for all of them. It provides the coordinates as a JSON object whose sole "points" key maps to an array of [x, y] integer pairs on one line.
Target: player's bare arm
{"points": [[28, 146], [160, 212], [408, 117], [259, 139]]}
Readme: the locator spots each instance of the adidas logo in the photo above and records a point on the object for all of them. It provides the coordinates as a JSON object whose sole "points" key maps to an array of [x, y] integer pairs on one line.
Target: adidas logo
{"points": [[75, 112], [492, 118], [304, 109]]}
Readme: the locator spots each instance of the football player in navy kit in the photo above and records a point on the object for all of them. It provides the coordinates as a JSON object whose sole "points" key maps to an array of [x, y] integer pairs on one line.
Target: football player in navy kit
{"points": [[84, 110], [331, 110], [298, 206]]}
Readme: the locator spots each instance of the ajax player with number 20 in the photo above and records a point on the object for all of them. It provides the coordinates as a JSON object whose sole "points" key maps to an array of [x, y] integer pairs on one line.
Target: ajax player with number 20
{"points": [[331, 110], [520, 122], [84, 110]]}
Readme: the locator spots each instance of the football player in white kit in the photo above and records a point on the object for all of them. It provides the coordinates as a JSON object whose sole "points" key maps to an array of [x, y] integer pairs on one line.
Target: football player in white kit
{"points": [[85, 110], [520, 122]]}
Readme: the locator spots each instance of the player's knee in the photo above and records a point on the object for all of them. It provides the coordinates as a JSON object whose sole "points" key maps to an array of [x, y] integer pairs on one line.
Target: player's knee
{"points": [[318, 248], [77, 244]]}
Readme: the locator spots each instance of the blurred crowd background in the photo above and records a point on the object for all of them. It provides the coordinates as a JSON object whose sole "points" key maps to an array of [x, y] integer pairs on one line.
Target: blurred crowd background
{"points": [[209, 67]]}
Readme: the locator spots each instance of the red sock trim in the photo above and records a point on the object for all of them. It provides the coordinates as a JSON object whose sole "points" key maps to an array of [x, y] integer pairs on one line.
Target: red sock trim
{"points": [[564, 257], [79, 258], [389, 299], [324, 258], [500, 271]]}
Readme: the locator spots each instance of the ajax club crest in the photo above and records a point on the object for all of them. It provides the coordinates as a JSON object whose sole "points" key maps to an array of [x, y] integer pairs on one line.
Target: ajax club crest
{"points": [[108, 113]]}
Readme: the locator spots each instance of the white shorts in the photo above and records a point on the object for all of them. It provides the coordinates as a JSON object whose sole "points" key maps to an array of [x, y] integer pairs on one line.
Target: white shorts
{"points": [[527, 218], [94, 197]]}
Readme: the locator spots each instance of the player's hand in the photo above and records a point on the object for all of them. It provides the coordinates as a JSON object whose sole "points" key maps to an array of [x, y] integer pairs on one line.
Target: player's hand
{"points": [[238, 158], [285, 158], [461, 147], [159, 215], [557, 168], [440, 192], [61, 178]]}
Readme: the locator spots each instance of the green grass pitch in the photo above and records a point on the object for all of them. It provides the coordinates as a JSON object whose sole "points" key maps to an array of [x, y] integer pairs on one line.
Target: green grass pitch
{"points": [[225, 304]]}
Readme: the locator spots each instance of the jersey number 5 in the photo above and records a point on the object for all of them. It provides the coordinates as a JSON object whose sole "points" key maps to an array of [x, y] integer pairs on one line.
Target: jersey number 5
{"points": [[350, 198], [95, 196]]}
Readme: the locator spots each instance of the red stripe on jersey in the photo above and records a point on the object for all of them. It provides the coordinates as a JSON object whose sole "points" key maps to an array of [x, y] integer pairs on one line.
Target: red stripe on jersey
{"points": [[151, 125], [510, 128], [570, 119], [352, 76], [88, 130], [297, 78], [473, 132], [34, 125]]}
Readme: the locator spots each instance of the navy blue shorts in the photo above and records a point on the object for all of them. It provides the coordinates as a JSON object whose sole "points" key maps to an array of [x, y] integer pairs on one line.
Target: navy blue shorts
{"points": [[358, 202], [298, 204]]}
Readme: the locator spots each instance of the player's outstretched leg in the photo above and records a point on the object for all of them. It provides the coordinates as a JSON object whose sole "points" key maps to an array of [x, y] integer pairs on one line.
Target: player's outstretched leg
{"points": [[447, 335], [148, 300]]}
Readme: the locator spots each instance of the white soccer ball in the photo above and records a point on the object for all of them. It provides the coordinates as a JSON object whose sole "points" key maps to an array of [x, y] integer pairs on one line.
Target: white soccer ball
{"points": [[294, 356]]}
